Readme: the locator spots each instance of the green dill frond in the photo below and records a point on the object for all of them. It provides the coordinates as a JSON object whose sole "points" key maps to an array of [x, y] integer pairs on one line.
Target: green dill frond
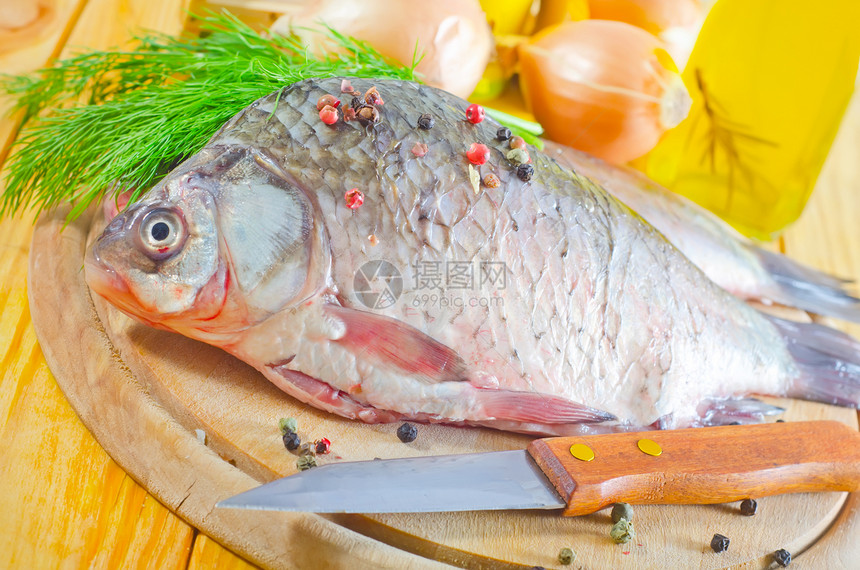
{"points": [[109, 121]]}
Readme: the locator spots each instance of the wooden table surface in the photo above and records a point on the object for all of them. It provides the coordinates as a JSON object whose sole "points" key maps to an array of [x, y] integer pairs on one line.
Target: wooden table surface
{"points": [[63, 501]]}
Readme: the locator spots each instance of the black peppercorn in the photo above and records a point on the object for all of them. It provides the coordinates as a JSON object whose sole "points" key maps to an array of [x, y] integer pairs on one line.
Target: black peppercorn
{"points": [[407, 433], [525, 172], [748, 507], [292, 440], [357, 103], [426, 121], [782, 557], [503, 134], [719, 543]]}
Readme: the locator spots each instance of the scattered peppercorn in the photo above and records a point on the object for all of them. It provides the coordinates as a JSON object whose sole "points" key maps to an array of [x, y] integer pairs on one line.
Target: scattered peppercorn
{"points": [[306, 449], [475, 113], [719, 543], [356, 103], [327, 99], [748, 507], [373, 239], [426, 121], [518, 142], [474, 178], [368, 114], [323, 446], [348, 114], [525, 172], [292, 441], [518, 156], [288, 424], [782, 557], [346, 86], [329, 115], [306, 462], [780, 421], [622, 511], [622, 531], [407, 433], [491, 181], [354, 198], [503, 134], [372, 97], [566, 556], [478, 153], [419, 149]]}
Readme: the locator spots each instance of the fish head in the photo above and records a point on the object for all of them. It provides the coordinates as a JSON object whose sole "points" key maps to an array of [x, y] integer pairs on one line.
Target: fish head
{"points": [[220, 244]]}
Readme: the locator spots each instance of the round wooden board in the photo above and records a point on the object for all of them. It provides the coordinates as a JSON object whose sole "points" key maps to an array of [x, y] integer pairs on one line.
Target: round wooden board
{"points": [[144, 394]]}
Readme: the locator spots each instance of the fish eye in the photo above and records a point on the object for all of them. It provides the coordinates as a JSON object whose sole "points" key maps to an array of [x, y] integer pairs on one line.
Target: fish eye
{"points": [[162, 233]]}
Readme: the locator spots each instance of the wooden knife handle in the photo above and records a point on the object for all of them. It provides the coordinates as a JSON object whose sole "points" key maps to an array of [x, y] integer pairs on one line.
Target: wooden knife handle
{"points": [[702, 465]]}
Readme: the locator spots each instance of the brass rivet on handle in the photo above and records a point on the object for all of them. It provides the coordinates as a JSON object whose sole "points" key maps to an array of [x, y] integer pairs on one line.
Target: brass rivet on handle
{"points": [[649, 447], [581, 452]]}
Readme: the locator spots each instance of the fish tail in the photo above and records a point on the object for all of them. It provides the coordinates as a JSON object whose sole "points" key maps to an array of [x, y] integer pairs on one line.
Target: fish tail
{"points": [[809, 289], [829, 363]]}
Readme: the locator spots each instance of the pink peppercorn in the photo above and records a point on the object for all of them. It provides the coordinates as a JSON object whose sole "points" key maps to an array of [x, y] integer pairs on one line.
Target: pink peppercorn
{"points": [[354, 198], [419, 149], [322, 446], [327, 100], [478, 153], [474, 113], [329, 115]]}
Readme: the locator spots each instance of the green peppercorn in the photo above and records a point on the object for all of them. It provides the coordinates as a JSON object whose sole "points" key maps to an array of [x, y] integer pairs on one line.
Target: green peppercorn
{"points": [[407, 433], [517, 155], [622, 511], [622, 531], [748, 507], [782, 557], [305, 462], [719, 543], [288, 424], [292, 440], [566, 556]]}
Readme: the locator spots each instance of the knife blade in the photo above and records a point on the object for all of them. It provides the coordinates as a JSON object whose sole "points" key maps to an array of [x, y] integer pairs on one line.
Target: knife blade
{"points": [[687, 466]]}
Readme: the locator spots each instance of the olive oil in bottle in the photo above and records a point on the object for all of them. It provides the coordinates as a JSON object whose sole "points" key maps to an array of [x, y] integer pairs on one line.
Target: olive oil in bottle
{"points": [[770, 81]]}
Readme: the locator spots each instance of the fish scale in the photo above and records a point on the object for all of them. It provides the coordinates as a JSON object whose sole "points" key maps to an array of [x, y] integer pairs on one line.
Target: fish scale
{"points": [[600, 319], [440, 236]]}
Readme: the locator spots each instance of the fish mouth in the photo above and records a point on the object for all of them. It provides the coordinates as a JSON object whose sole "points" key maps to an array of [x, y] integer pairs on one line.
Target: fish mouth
{"points": [[103, 279]]}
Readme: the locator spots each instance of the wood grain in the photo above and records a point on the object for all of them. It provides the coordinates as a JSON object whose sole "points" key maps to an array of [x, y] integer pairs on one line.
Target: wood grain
{"points": [[63, 501], [702, 466], [66, 503], [172, 386]]}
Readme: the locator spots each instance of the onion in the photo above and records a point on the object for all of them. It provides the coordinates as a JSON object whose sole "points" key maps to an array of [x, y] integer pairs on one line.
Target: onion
{"points": [[452, 35], [675, 22], [607, 88]]}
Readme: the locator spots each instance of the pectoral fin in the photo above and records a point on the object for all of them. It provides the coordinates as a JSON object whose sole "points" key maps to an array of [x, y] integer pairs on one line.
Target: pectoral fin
{"points": [[389, 343]]}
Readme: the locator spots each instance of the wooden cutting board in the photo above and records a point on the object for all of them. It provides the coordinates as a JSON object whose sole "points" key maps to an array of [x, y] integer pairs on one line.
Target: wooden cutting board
{"points": [[148, 396]]}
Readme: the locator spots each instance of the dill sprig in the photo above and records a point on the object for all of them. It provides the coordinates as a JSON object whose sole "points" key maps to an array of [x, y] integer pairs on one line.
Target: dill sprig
{"points": [[110, 121]]}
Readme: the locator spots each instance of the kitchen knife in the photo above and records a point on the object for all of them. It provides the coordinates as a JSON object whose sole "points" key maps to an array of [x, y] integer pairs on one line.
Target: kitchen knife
{"points": [[584, 474]]}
